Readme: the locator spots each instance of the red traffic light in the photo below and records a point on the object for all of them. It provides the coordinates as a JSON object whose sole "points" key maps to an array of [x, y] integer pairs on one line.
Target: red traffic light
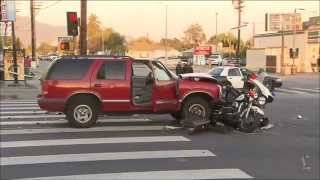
{"points": [[72, 23], [73, 17]]}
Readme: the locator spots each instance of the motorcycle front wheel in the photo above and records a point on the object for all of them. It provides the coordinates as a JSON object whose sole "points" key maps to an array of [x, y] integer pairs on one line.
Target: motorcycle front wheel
{"points": [[250, 124]]}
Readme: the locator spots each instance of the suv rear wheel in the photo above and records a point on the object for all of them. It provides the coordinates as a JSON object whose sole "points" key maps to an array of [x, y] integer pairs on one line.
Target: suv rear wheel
{"points": [[82, 112]]}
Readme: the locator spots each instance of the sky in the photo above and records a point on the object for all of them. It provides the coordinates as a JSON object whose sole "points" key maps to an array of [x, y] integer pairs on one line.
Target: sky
{"points": [[141, 18]]}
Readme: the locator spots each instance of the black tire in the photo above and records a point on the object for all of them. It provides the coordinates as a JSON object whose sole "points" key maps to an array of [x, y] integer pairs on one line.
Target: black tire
{"points": [[86, 102], [177, 116], [249, 125], [189, 118]]}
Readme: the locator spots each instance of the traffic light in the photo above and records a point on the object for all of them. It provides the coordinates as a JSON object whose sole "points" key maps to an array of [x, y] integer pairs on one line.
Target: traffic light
{"points": [[291, 53], [65, 46], [296, 54], [72, 23]]}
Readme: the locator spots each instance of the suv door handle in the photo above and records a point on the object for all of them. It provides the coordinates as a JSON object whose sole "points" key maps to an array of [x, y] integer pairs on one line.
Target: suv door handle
{"points": [[97, 85]]}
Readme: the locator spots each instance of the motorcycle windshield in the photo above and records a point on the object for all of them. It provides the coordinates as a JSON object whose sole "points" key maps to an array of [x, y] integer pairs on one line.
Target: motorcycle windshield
{"points": [[264, 90]]}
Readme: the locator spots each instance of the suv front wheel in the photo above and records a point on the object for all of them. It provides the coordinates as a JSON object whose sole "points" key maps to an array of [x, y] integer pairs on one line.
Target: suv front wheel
{"points": [[82, 112]]}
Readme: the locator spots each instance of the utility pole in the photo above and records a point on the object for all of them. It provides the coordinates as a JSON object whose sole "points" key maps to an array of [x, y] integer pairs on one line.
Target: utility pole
{"points": [[239, 24], [283, 69], [14, 54], [166, 35], [253, 32], [33, 33], [83, 28], [294, 68], [216, 24]]}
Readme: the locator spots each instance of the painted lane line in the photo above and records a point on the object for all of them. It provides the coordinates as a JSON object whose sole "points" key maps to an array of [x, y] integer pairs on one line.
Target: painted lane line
{"points": [[74, 130], [59, 142], [170, 174], [64, 121], [307, 90], [62, 158], [19, 108], [290, 91], [33, 117], [23, 112]]}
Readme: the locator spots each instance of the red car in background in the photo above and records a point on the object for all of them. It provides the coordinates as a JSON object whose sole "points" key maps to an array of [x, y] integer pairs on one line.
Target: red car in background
{"points": [[84, 87]]}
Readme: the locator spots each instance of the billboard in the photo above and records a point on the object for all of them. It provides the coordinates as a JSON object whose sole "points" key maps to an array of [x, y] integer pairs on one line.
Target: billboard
{"points": [[285, 21], [8, 10], [203, 50]]}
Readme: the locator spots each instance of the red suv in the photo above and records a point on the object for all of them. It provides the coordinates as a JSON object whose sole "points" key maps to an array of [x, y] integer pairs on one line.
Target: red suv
{"points": [[84, 87]]}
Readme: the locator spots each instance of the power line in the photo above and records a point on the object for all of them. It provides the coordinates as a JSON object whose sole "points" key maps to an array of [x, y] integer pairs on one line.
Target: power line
{"points": [[51, 5]]}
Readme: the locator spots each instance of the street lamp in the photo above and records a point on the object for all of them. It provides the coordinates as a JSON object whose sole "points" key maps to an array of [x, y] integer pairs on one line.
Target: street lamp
{"points": [[294, 68]]}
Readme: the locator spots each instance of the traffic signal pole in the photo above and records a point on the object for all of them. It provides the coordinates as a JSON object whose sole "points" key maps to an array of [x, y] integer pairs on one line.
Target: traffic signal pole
{"points": [[33, 33], [83, 28]]}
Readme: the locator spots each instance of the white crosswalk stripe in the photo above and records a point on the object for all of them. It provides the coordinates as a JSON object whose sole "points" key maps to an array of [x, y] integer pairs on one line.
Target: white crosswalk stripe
{"points": [[18, 121], [22, 112], [63, 121], [82, 141], [104, 156], [301, 91], [37, 116], [19, 108], [173, 174], [76, 130]]}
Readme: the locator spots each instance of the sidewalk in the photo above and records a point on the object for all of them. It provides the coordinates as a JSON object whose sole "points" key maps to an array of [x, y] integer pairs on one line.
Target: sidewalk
{"points": [[25, 90]]}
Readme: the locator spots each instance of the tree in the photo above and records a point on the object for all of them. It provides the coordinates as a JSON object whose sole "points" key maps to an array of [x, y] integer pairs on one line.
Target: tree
{"points": [[176, 44], [194, 35], [19, 44], [46, 48], [114, 42], [8, 43], [94, 34], [229, 41]]}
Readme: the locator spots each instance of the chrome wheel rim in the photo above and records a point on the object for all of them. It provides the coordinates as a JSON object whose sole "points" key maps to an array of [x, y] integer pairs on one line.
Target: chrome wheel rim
{"points": [[82, 113], [197, 112]]}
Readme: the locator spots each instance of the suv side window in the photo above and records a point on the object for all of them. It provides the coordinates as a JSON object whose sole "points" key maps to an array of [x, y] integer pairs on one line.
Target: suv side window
{"points": [[234, 72], [69, 69], [160, 72], [140, 69], [112, 70]]}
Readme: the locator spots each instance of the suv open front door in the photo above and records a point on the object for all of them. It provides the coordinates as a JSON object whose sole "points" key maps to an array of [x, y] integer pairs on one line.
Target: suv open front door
{"points": [[165, 97]]}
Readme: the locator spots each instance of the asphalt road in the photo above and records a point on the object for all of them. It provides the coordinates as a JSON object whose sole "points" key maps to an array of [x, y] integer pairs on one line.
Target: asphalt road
{"points": [[39, 145]]}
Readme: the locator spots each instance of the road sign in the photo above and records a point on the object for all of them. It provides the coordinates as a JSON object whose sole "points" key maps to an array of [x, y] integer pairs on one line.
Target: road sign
{"points": [[8, 10], [9, 65]]}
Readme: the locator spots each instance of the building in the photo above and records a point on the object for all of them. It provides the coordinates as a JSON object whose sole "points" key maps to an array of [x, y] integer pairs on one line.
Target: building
{"points": [[151, 51], [266, 53]]}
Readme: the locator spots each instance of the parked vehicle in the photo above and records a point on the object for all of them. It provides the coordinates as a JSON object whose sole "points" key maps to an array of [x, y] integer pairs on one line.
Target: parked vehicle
{"points": [[237, 75], [270, 81], [84, 86], [231, 62], [232, 74], [215, 59], [242, 110]]}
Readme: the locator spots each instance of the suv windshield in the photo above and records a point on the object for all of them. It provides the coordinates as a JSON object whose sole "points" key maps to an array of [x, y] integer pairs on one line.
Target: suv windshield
{"points": [[216, 71]]}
